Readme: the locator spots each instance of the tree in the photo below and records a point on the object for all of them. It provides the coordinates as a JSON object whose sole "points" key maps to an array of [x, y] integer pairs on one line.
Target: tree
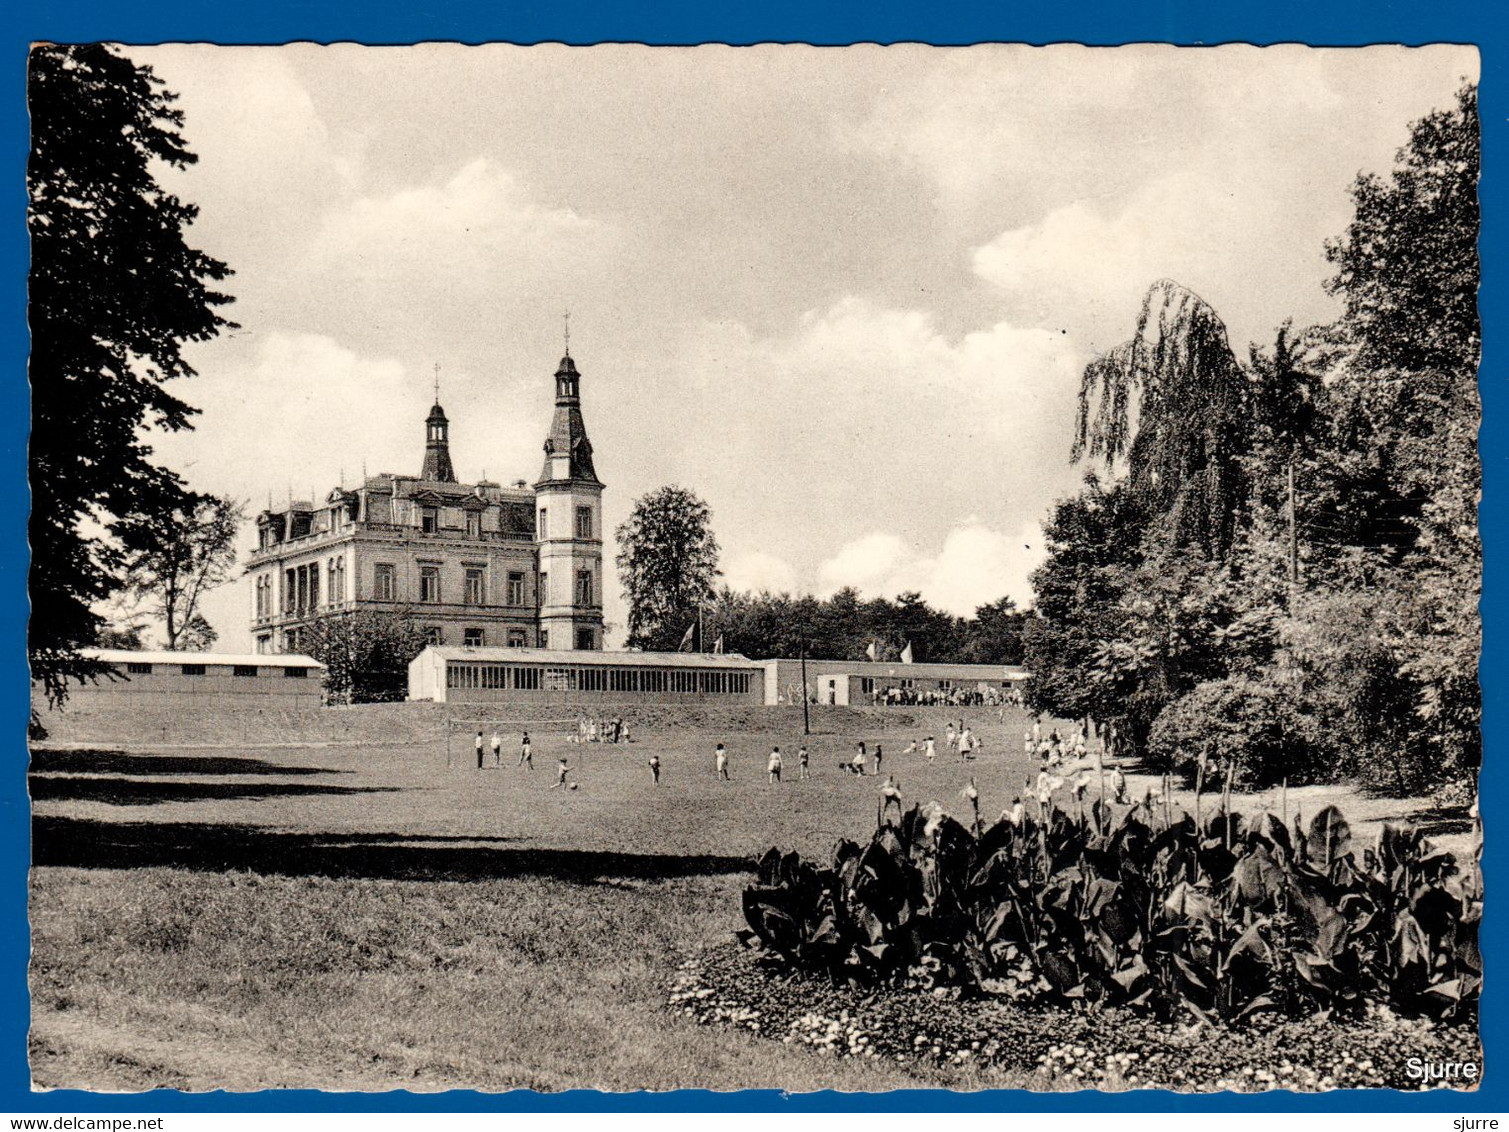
{"points": [[114, 293], [366, 654], [1172, 406], [668, 563], [195, 552], [994, 634]]}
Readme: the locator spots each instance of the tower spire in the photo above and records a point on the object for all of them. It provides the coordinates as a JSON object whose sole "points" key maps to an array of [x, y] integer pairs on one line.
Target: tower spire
{"points": [[437, 383], [567, 318]]}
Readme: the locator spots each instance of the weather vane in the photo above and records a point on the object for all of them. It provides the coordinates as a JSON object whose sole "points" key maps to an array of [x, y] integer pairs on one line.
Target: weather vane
{"points": [[567, 317], [437, 383]]}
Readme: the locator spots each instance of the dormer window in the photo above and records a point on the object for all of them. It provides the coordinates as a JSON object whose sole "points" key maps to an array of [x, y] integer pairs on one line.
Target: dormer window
{"points": [[429, 520]]}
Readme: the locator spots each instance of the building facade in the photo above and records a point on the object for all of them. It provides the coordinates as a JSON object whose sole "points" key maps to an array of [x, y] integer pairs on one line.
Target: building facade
{"points": [[475, 564], [229, 681], [553, 676]]}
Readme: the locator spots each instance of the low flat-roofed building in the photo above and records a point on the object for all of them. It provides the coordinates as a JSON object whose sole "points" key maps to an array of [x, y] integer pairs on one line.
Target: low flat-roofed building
{"points": [[157, 679], [562, 676], [867, 682]]}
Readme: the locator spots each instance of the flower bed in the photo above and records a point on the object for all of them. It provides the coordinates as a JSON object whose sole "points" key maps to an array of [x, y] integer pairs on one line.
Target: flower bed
{"points": [[943, 1034]]}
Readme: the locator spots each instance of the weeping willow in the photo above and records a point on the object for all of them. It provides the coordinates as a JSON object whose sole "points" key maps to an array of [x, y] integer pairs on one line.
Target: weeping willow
{"points": [[1170, 411]]}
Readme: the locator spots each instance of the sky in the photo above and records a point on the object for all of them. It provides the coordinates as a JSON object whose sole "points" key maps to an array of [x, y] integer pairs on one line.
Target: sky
{"points": [[844, 294]]}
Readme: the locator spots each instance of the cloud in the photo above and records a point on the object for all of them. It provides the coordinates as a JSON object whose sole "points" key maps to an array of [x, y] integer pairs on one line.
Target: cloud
{"points": [[456, 225], [756, 571], [1090, 264], [974, 565]]}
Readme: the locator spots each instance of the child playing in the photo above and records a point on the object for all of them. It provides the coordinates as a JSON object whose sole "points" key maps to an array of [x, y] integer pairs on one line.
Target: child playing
{"points": [[721, 759], [655, 768], [525, 757], [497, 746], [801, 764], [774, 766], [561, 771]]}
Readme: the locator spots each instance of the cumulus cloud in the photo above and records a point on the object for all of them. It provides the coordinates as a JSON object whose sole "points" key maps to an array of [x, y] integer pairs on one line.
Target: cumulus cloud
{"points": [[864, 418], [973, 565]]}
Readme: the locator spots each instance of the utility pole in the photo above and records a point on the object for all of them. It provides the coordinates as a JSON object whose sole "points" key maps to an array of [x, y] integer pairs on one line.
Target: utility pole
{"points": [[1293, 539], [806, 722]]}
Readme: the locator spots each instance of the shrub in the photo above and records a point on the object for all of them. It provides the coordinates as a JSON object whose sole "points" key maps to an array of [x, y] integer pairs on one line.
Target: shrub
{"points": [[1221, 922], [1239, 721]]}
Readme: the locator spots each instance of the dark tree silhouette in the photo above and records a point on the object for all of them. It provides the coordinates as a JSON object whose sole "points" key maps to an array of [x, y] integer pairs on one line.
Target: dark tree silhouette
{"points": [[115, 292]]}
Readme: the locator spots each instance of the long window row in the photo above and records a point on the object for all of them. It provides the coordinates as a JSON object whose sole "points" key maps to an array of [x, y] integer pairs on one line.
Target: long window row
{"points": [[517, 677]]}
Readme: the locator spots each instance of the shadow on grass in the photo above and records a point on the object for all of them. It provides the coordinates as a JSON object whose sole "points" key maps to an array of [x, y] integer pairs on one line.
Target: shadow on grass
{"points": [[87, 761], [149, 792], [1440, 820], [75, 843]]}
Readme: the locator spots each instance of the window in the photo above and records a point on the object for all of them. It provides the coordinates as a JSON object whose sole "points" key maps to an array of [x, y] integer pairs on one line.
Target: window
{"points": [[544, 638], [584, 639], [295, 673], [429, 521], [584, 522], [313, 570], [264, 643], [384, 582], [429, 583], [474, 524], [541, 529], [289, 585], [526, 679], [434, 634], [476, 587], [473, 638], [193, 670], [515, 589], [544, 590], [330, 581], [137, 668], [244, 670], [584, 587], [517, 638]]}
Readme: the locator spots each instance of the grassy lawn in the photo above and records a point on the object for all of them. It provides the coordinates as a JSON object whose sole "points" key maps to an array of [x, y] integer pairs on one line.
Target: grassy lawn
{"points": [[376, 918]]}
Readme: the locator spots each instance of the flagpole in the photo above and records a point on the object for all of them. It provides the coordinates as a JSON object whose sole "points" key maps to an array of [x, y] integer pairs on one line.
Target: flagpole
{"points": [[806, 722]]}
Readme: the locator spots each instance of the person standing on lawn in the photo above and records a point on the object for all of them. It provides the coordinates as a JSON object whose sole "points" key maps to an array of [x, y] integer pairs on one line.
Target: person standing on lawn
{"points": [[801, 764], [497, 746], [890, 794], [720, 757], [526, 757], [479, 750], [930, 748], [879, 754], [655, 768], [774, 765]]}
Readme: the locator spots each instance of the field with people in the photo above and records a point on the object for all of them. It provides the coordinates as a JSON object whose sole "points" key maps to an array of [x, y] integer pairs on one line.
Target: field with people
{"points": [[375, 916]]}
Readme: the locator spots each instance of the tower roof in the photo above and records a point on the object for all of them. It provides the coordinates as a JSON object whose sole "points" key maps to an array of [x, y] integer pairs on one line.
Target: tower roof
{"points": [[437, 447], [568, 432]]}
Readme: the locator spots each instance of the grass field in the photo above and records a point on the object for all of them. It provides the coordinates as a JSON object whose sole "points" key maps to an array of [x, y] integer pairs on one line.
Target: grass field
{"points": [[386, 917]]}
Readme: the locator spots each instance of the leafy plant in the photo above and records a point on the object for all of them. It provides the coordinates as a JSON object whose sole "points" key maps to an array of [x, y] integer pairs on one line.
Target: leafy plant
{"points": [[1219, 920]]}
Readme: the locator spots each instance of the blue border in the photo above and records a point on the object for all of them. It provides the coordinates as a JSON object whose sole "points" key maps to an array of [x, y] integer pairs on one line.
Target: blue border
{"points": [[1321, 22]]}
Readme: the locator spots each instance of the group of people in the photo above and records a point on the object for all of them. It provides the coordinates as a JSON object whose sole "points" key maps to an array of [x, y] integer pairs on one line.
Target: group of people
{"points": [[1054, 750], [495, 745], [614, 730], [775, 763], [937, 697]]}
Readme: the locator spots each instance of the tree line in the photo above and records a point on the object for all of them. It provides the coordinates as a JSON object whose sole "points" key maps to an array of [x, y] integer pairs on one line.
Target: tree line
{"points": [[1274, 563]]}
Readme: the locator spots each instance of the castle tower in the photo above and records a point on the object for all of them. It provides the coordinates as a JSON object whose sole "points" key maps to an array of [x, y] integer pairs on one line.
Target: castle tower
{"points": [[437, 447], [568, 532]]}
